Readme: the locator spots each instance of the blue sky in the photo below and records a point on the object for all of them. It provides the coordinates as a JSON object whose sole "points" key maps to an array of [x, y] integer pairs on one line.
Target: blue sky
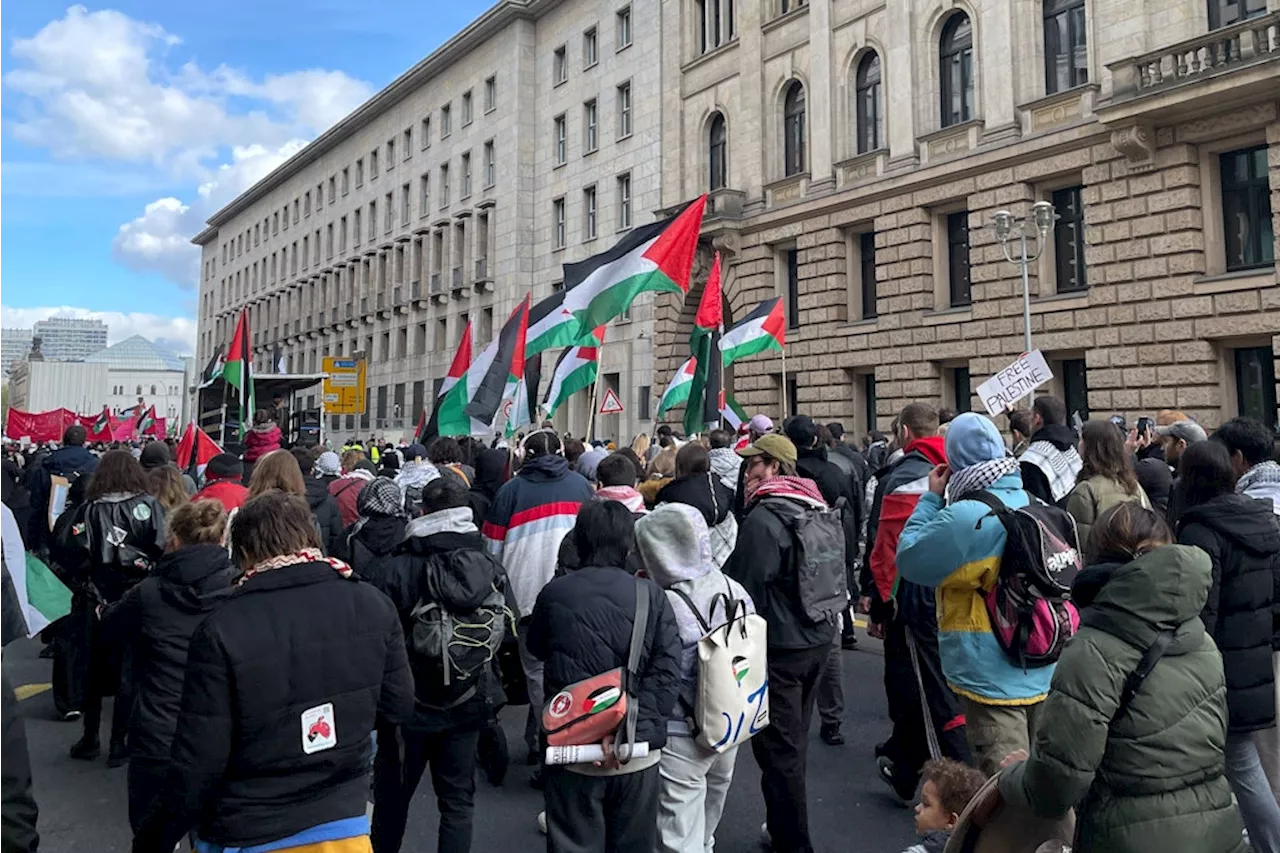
{"points": [[125, 126]]}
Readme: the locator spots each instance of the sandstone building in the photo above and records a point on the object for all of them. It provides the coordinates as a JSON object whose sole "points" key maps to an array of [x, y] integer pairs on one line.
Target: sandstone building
{"points": [[856, 151]]}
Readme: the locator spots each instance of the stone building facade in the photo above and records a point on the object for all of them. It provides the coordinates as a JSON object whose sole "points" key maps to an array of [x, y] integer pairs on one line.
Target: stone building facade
{"points": [[855, 153], [529, 140]]}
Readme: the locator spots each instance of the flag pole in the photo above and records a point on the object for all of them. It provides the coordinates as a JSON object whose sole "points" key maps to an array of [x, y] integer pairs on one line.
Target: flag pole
{"points": [[595, 387], [785, 408]]}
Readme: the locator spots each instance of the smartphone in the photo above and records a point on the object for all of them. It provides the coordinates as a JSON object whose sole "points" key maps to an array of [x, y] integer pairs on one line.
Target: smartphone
{"points": [[1146, 426]]}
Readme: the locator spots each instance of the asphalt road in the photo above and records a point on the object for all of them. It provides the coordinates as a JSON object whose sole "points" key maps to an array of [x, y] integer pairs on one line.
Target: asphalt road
{"points": [[83, 805]]}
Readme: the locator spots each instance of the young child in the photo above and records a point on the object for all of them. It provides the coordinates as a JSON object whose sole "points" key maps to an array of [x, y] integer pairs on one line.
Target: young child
{"points": [[948, 787]]}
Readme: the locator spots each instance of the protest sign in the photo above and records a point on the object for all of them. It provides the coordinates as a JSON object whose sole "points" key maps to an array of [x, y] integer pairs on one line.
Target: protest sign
{"points": [[1008, 386]]}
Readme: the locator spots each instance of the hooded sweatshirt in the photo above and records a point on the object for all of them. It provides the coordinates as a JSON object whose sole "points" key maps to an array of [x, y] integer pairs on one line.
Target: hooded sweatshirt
{"points": [[674, 544], [1242, 539], [491, 472], [707, 494], [1051, 463]]}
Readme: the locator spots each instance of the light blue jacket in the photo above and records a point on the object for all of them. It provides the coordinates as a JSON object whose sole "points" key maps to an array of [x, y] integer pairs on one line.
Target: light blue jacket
{"points": [[957, 549]]}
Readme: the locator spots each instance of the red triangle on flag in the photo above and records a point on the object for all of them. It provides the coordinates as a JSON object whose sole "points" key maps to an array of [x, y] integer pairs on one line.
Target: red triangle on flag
{"points": [[610, 405]]}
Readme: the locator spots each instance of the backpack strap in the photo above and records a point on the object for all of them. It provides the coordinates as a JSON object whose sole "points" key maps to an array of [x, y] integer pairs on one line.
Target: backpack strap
{"points": [[688, 602], [1150, 657], [639, 627]]}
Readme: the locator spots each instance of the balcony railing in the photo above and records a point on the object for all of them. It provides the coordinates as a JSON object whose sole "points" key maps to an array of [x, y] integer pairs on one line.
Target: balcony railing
{"points": [[1209, 55], [457, 277]]}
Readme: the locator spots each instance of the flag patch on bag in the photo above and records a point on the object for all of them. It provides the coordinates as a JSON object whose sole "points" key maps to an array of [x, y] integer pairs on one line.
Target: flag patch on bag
{"points": [[605, 697], [318, 730], [561, 704], [741, 668]]}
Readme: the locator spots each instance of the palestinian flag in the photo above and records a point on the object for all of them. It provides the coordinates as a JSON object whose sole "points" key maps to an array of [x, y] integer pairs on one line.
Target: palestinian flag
{"points": [[577, 369], [195, 449], [732, 413], [678, 390], [42, 597], [551, 325], [707, 323], [504, 370], [656, 257], [448, 417], [103, 421], [237, 371], [212, 370], [525, 398], [764, 328], [146, 420]]}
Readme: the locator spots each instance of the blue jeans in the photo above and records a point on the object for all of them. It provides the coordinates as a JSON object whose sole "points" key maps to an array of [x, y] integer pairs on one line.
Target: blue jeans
{"points": [[1258, 806]]}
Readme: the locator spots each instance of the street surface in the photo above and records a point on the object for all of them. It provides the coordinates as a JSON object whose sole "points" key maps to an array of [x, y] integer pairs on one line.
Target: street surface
{"points": [[83, 805]]}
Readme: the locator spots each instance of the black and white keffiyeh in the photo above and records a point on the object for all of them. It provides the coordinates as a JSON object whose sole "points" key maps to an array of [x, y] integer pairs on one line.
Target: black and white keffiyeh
{"points": [[1060, 467], [979, 477]]}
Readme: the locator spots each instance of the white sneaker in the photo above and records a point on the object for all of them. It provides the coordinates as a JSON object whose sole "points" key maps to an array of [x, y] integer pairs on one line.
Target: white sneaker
{"points": [[542, 822]]}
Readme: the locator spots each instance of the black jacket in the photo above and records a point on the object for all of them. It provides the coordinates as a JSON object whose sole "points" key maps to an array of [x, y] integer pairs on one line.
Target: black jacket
{"points": [[370, 547], [703, 492], [1034, 481], [1156, 480], [287, 643], [765, 563], [18, 811], [72, 462], [491, 473], [581, 627], [325, 509], [835, 484], [157, 618], [88, 548], [1242, 538]]}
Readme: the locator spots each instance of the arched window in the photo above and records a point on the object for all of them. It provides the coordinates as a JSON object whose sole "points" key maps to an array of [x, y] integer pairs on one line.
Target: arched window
{"points": [[793, 129], [956, 53], [870, 112], [1066, 55], [717, 152], [139, 390]]}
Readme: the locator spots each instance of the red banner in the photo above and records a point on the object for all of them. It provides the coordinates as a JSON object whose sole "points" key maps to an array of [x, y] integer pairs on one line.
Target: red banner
{"points": [[49, 426]]}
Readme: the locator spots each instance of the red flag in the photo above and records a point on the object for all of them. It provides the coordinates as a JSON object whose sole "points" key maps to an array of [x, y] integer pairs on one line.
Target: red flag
{"points": [[195, 450]]}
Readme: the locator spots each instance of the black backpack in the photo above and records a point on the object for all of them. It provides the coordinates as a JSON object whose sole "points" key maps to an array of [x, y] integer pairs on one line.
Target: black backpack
{"points": [[1030, 608]]}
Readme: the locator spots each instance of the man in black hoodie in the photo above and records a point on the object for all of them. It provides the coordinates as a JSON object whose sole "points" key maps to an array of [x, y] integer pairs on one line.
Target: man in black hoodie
{"points": [[697, 486], [71, 461], [1050, 463]]}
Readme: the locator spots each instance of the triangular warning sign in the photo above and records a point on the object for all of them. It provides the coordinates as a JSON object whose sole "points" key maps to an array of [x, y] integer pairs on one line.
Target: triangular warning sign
{"points": [[610, 405]]}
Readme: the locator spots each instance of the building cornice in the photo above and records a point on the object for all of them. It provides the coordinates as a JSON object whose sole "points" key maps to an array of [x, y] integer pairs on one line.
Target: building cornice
{"points": [[489, 24]]}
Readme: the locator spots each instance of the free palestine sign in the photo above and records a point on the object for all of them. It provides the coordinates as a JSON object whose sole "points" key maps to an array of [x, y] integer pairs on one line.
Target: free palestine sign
{"points": [[1014, 382]]}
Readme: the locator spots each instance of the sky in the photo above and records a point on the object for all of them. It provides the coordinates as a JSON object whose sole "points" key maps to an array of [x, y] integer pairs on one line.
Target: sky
{"points": [[124, 127]]}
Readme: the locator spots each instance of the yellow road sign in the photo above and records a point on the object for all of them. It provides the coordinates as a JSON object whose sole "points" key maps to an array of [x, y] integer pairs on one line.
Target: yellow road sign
{"points": [[344, 386]]}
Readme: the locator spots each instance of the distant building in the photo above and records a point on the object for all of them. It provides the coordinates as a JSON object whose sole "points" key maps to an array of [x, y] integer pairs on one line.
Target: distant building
{"points": [[70, 338], [14, 345], [39, 386], [140, 370]]}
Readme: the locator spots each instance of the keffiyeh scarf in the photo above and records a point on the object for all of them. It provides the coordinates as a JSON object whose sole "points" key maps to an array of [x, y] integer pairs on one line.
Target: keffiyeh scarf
{"points": [[298, 558], [979, 477], [625, 495]]}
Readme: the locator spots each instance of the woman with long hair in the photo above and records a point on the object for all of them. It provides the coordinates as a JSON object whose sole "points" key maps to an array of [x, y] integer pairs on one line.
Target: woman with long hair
{"points": [[284, 682], [108, 544], [1140, 759], [277, 470], [1242, 538], [167, 487], [1106, 479]]}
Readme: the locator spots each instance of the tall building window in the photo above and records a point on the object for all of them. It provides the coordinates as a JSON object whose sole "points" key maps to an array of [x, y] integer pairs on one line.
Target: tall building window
{"points": [[791, 259], [306, 203], [718, 152], [1068, 240], [346, 180], [359, 179], [1224, 13], [793, 139], [559, 66], [407, 146], [391, 154], [342, 241], [466, 176], [446, 120], [490, 166], [867, 273], [624, 110], [589, 213], [624, 27], [390, 214], [590, 48], [868, 95], [491, 94], [589, 135], [373, 221], [404, 204], [561, 132], [425, 133], [1066, 52], [958, 258], [444, 184], [357, 232], [1246, 209], [1075, 388], [557, 216], [424, 195], [962, 389], [956, 54], [466, 108], [1255, 374], [624, 201]]}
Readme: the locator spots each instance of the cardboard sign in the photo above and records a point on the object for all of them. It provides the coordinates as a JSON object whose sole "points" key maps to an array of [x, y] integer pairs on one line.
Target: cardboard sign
{"points": [[610, 405], [1014, 382]]}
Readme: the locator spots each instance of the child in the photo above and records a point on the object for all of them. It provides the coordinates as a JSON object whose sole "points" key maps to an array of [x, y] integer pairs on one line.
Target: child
{"points": [[948, 787]]}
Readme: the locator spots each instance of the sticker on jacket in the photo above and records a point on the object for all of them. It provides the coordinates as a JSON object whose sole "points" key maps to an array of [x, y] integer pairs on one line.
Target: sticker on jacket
{"points": [[318, 730]]}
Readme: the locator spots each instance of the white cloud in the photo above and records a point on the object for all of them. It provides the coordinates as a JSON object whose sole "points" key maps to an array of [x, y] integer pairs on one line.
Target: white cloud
{"points": [[94, 86], [176, 333]]}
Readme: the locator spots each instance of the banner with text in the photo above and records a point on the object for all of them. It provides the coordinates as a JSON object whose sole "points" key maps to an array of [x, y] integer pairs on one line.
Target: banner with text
{"points": [[1004, 389]]}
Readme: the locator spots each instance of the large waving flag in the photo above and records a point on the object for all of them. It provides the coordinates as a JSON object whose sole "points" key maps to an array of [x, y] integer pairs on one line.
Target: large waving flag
{"points": [[656, 257], [44, 599], [577, 369], [449, 417], [504, 370], [195, 449], [551, 325], [763, 329], [146, 420], [212, 370], [237, 371], [732, 412], [707, 323], [678, 389]]}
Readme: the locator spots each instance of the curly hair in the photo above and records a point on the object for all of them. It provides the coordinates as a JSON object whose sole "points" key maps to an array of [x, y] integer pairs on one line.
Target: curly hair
{"points": [[956, 783]]}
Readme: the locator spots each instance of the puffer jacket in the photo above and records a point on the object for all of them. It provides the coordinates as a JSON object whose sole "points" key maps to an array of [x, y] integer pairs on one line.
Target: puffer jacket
{"points": [[1150, 779], [529, 517], [370, 547], [157, 618], [710, 497], [260, 441], [1092, 497], [957, 549], [1242, 538], [87, 547], [581, 627], [324, 508]]}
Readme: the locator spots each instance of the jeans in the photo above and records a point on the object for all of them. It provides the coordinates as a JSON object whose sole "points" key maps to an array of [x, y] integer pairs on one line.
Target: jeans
{"points": [[533, 680], [601, 814], [1268, 740], [1258, 806], [782, 748], [695, 783], [403, 756], [994, 731], [830, 698]]}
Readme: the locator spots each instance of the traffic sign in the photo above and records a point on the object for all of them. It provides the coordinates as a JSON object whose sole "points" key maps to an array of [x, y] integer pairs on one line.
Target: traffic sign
{"points": [[344, 386], [610, 405]]}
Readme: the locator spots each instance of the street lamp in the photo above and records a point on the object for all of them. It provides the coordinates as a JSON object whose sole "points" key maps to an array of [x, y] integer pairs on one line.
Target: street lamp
{"points": [[1012, 231]]}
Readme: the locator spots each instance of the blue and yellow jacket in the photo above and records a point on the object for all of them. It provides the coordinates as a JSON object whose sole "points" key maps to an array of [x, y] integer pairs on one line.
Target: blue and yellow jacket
{"points": [[957, 549]]}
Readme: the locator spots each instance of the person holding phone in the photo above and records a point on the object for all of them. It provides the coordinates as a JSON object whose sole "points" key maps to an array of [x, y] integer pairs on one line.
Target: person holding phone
{"points": [[1154, 474]]}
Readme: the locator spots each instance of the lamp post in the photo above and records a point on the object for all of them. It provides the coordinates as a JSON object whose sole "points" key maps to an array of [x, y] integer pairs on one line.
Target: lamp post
{"points": [[1011, 231]]}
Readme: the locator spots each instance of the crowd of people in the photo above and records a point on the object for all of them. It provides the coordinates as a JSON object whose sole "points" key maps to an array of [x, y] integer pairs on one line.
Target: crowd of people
{"points": [[1089, 612]]}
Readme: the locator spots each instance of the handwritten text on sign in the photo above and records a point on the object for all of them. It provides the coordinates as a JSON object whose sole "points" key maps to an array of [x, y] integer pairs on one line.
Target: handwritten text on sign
{"points": [[1014, 382]]}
